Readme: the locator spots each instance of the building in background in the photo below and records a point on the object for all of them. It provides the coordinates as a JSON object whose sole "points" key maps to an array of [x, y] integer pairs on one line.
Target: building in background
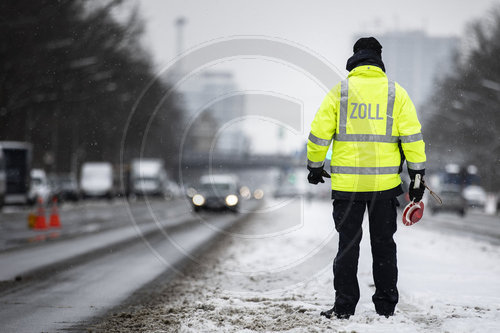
{"points": [[215, 113], [415, 59], [211, 107]]}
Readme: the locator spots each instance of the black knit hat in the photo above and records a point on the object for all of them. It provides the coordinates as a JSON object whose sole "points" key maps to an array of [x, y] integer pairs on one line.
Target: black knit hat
{"points": [[367, 51], [367, 43]]}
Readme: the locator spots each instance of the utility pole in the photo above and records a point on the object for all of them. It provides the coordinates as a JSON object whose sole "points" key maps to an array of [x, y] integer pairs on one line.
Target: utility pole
{"points": [[179, 24]]}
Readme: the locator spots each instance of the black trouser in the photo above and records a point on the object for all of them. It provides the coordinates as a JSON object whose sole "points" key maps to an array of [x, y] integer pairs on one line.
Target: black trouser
{"points": [[348, 217]]}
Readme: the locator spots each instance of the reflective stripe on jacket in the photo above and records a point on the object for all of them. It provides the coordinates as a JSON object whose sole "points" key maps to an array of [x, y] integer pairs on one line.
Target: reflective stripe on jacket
{"points": [[365, 116]]}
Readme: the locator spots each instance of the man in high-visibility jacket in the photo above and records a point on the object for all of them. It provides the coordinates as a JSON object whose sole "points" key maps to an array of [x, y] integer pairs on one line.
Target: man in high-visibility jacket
{"points": [[369, 119]]}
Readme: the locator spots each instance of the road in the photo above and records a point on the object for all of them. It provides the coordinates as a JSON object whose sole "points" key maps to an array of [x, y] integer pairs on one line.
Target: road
{"points": [[475, 224], [61, 283], [87, 217], [107, 251]]}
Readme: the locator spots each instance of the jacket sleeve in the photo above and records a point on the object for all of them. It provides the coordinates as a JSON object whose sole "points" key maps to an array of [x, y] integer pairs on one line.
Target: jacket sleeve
{"points": [[410, 134], [322, 130]]}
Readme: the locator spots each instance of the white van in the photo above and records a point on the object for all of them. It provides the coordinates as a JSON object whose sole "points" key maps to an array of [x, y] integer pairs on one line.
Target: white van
{"points": [[96, 180], [147, 177]]}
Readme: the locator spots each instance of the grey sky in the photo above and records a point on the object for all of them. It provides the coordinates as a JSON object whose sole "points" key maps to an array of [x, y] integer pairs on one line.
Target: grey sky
{"points": [[325, 27]]}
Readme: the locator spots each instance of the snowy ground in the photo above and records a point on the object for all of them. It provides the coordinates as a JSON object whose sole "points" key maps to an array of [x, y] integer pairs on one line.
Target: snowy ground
{"points": [[273, 273]]}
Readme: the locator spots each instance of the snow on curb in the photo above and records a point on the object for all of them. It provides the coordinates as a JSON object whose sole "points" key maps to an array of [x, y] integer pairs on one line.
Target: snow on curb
{"points": [[259, 279]]}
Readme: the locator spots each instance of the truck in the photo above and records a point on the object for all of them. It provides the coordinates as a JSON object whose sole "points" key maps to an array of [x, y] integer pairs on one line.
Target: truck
{"points": [[15, 167], [96, 180], [3, 179], [147, 177]]}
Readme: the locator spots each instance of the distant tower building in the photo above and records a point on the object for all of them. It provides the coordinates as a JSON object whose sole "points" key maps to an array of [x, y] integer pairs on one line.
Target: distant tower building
{"points": [[415, 60], [205, 92], [211, 92], [179, 25]]}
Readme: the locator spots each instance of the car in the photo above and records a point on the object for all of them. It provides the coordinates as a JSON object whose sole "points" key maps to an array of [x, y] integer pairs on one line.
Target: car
{"points": [[65, 187], [475, 196], [39, 187], [216, 192], [453, 200], [172, 190], [289, 191], [293, 184]]}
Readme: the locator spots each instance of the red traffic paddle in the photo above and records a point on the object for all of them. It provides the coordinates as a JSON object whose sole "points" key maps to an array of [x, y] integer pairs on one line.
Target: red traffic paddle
{"points": [[413, 212]]}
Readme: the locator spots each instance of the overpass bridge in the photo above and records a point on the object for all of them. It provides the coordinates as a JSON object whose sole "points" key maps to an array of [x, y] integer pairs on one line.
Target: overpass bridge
{"points": [[232, 162]]}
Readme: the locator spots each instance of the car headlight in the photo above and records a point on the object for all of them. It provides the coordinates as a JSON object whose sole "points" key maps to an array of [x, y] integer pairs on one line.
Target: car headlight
{"points": [[231, 200], [258, 194], [198, 200], [245, 192]]}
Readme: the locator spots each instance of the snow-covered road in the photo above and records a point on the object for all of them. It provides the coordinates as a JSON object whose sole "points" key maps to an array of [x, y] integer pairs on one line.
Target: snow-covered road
{"points": [[273, 273]]}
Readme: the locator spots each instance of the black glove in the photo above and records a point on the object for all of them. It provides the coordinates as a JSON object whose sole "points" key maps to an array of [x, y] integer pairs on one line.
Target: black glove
{"points": [[416, 194], [316, 175]]}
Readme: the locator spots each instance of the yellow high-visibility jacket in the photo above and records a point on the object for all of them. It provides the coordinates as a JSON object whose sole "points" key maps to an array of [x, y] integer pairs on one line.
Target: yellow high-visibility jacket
{"points": [[366, 116]]}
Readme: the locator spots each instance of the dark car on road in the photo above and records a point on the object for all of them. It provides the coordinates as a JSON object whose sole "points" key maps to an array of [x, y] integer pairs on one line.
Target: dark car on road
{"points": [[66, 187], [453, 200], [216, 193]]}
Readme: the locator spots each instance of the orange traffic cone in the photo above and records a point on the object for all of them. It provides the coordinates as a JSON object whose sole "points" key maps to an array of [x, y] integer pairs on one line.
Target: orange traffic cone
{"points": [[31, 219], [54, 215], [40, 222]]}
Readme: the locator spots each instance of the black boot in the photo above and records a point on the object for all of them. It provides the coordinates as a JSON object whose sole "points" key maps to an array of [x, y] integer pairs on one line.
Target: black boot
{"points": [[328, 314], [386, 314]]}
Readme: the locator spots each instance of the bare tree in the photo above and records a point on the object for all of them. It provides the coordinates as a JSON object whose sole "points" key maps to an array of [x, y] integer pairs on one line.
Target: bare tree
{"points": [[70, 74], [465, 121]]}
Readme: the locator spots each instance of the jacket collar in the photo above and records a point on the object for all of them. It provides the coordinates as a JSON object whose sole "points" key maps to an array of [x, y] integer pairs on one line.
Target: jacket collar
{"points": [[367, 71]]}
